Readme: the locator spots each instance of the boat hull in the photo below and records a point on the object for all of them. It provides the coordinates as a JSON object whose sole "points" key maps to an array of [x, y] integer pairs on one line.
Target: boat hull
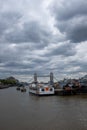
{"points": [[38, 92]]}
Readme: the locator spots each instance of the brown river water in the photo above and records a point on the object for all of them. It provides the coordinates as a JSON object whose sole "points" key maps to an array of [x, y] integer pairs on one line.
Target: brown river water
{"points": [[22, 111]]}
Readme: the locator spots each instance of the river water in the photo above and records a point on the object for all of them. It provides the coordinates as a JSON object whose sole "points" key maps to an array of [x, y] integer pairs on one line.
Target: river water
{"points": [[22, 111]]}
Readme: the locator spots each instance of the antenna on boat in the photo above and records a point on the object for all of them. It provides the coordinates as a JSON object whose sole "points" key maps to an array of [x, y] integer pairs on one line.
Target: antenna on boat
{"points": [[35, 77], [51, 78]]}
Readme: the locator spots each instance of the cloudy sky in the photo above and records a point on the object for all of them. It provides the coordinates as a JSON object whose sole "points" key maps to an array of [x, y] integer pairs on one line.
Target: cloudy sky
{"points": [[43, 36]]}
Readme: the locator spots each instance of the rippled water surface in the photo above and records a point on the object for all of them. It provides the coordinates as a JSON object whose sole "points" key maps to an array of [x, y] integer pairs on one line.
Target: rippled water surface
{"points": [[21, 111]]}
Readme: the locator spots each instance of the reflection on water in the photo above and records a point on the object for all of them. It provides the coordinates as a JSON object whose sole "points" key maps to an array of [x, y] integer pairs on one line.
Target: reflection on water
{"points": [[21, 111]]}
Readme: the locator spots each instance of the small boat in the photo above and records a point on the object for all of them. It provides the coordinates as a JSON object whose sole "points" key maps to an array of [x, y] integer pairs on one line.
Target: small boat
{"points": [[18, 88], [4, 86], [42, 88], [23, 89]]}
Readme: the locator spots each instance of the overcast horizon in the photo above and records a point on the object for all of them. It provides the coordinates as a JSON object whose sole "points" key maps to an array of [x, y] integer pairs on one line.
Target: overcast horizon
{"points": [[43, 36]]}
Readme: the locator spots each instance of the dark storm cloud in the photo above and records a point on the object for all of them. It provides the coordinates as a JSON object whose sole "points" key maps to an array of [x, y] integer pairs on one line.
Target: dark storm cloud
{"points": [[71, 18]]}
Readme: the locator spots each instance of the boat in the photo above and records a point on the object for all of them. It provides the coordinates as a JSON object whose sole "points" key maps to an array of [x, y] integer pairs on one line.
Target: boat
{"points": [[18, 88], [42, 88], [23, 89], [2, 86]]}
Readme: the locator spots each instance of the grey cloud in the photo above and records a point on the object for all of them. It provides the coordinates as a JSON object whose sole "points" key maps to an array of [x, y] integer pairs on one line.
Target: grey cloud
{"points": [[71, 19], [78, 33], [31, 32], [20, 25], [8, 19], [66, 49], [41, 60], [33, 40], [19, 65], [79, 63], [72, 8], [19, 59]]}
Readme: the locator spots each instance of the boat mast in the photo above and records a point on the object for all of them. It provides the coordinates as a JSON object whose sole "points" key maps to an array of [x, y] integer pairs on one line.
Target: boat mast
{"points": [[51, 78], [35, 78]]}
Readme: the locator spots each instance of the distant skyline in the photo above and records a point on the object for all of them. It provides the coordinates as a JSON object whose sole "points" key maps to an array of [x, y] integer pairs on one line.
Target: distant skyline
{"points": [[43, 36]]}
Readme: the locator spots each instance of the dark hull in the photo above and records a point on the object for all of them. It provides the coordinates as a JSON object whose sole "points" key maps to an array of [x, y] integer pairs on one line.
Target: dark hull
{"points": [[4, 86], [74, 91]]}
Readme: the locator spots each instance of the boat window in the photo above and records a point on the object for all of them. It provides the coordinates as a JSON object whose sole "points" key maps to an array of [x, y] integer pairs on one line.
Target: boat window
{"points": [[51, 89], [42, 89]]}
